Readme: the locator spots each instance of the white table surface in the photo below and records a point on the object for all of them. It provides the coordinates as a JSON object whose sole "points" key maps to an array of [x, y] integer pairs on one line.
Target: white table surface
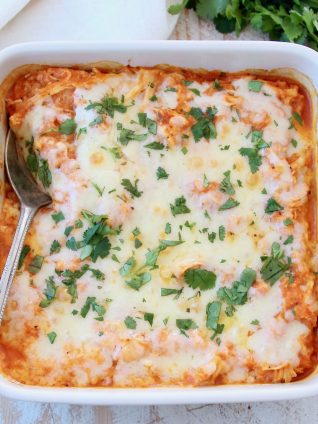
{"points": [[304, 411]]}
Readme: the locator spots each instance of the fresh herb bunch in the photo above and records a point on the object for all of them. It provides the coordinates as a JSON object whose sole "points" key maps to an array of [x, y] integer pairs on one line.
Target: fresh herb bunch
{"points": [[295, 21]]}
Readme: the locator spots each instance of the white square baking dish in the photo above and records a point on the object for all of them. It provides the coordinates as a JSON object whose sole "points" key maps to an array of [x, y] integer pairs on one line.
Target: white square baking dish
{"points": [[227, 56]]}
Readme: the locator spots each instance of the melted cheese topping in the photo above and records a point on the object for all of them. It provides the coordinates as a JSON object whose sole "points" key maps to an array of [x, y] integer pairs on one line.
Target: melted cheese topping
{"points": [[219, 170]]}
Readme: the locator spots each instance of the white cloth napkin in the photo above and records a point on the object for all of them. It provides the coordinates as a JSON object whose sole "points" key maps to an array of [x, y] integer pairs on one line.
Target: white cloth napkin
{"points": [[46, 20], [9, 8]]}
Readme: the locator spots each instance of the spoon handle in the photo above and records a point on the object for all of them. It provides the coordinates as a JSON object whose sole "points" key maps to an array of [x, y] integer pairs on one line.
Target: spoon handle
{"points": [[10, 267]]}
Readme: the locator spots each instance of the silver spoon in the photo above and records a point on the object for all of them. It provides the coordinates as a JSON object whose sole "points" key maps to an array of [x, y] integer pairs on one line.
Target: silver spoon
{"points": [[31, 198]]}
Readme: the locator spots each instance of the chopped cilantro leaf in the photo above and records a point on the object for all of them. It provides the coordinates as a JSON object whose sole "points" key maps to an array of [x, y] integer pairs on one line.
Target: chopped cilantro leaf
{"points": [[272, 206], [52, 336], [179, 207], [168, 292], [213, 311], [226, 186], [195, 91], [161, 173], [55, 247], [294, 142], [298, 118], [139, 280], [68, 230], [131, 188], [166, 90], [99, 190], [287, 222], [136, 231], [108, 105], [186, 324], [130, 323], [36, 264], [25, 251], [237, 294], [184, 150], [255, 86], [155, 145], [200, 278], [168, 228], [274, 266], [127, 135], [229, 204], [289, 240], [148, 316], [221, 232], [49, 293], [57, 217], [127, 267], [204, 127], [68, 127]]}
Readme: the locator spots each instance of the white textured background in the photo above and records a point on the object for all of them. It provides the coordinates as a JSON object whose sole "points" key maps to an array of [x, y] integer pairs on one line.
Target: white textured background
{"points": [[303, 411]]}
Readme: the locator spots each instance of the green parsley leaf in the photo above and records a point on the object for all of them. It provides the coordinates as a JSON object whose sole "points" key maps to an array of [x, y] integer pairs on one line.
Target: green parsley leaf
{"points": [[68, 127], [255, 322], [153, 98], [86, 307], [184, 150], [272, 206], [131, 188], [130, 323], [229, 204], [179, 207], [186, 82], [200, 278], [52, 336], [255, 86], [161, 173]]}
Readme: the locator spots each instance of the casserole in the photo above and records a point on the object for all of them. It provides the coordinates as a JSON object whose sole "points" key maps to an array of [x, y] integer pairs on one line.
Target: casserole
{"points": [[206, 65]]}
